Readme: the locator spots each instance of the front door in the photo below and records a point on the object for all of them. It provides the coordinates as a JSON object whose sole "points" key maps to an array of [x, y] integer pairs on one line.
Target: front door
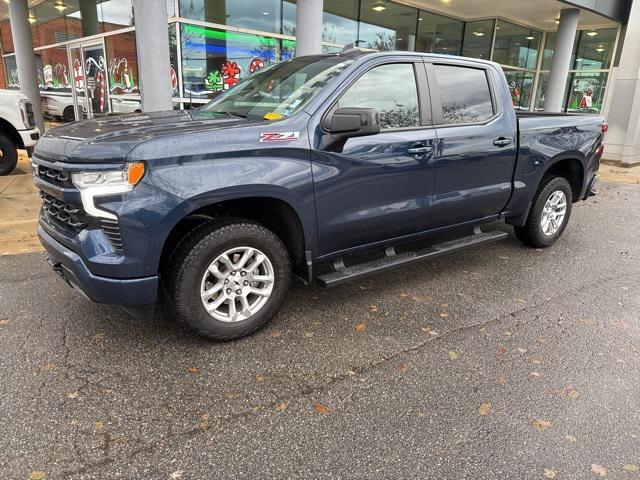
{"points": [[374, 188], [90, 80]]}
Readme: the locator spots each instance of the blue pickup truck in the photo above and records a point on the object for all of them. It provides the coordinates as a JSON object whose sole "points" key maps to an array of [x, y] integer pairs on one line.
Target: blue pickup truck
{"points": [[327, 167]]}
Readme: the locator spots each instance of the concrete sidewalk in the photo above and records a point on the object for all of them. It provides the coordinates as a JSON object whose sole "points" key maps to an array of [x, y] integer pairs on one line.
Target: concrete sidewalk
{"points": [[613, 173], [19, 207]]}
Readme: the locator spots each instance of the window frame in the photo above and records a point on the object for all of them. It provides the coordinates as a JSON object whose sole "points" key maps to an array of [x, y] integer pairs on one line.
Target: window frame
{"points": [[436, 97], [422, 89]]}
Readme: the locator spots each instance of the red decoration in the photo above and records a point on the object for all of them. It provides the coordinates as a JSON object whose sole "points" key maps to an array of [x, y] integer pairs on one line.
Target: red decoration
{"points": [[256, 64], [230, 74]]}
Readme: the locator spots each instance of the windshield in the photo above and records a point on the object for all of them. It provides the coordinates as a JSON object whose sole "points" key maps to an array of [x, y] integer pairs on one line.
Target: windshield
{"points": [[279, 91]]}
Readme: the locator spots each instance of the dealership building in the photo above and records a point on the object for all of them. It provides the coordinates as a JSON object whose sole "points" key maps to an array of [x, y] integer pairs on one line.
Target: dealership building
{"points": [[86, 58]]}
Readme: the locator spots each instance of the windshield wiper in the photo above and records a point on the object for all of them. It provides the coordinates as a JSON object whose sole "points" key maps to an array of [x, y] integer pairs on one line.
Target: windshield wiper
{"points": [[231, 114]]}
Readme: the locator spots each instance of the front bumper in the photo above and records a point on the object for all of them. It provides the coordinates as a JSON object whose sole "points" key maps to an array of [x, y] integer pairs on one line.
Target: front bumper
{"points": [[29, 137], [133, 292]]}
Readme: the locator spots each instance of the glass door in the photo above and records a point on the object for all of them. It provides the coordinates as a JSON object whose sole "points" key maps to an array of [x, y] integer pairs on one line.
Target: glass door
{"points": [[91, 88]]}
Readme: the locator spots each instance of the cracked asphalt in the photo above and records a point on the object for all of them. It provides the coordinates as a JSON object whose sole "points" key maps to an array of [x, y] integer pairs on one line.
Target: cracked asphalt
{"points": [[500, 362]]}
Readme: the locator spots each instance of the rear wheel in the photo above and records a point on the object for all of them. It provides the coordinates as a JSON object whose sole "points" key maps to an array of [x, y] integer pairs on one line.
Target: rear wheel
{"points": [[549, 213], [69, 114], [8, 155], [229, 279]]}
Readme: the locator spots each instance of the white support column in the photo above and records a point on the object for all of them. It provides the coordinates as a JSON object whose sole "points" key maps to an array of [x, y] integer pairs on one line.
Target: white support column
{"points": [[622, 141], [561, 62], [152, 43], [309, 27], [25, 57]]}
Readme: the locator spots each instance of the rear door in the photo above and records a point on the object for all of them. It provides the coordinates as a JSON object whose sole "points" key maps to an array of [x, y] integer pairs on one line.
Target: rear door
{"points": [[476, 149], [373, 188]]}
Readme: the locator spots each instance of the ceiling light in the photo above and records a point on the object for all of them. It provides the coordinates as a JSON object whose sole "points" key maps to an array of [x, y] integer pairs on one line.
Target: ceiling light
{"points": [[379, 7], [530, 37], [32, 18], [265, 13], [59, 5], [420, 18], [478, 34], [557, 22], [599, 49], [592, 34]]}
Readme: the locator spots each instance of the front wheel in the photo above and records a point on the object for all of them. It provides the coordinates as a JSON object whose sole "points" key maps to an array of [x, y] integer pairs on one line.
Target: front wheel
{"points": [[8, 156], [229, 279], [549, 213]]}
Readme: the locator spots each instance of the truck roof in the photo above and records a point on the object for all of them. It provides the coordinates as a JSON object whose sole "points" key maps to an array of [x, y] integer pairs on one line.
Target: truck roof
{"points": [[356, 52]]}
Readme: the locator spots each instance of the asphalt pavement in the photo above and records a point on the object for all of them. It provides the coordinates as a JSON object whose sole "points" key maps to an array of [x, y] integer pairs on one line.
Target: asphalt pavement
{"points": [[499, 362]]}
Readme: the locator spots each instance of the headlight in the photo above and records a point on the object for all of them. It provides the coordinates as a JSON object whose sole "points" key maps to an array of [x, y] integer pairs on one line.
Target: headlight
{"points": [[26, 110], [96, 184]]}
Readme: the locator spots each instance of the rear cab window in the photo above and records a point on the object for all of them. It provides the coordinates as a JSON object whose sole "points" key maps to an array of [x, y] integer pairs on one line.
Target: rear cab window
{"points": [[465, 94]]}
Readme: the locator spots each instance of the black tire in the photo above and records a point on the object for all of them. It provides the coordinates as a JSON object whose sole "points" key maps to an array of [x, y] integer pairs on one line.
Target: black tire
{"points": [[187, 267], [69, 114], [532, 233], [8, 155]]}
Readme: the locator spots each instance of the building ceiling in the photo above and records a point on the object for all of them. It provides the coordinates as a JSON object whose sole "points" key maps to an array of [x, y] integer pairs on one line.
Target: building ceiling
{"points": [[541, 14]]}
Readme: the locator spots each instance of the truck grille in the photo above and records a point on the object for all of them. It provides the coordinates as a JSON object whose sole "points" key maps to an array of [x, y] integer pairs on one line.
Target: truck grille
{"points": [[57, 177], [112, 229], [63, 215]]}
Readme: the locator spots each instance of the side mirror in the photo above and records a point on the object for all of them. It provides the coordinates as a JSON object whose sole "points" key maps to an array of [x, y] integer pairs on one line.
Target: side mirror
{"points": [[353, 122]]}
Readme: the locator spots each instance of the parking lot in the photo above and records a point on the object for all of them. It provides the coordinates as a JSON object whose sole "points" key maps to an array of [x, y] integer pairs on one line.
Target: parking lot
{"points": [[496, 362]]}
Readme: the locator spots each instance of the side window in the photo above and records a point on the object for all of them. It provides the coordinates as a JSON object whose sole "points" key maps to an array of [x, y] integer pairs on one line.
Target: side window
{"points": [[392, 90], [464, 93]]}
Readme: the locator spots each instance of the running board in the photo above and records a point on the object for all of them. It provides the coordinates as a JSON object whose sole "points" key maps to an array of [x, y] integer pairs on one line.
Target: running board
{"points": [[392, 260]]}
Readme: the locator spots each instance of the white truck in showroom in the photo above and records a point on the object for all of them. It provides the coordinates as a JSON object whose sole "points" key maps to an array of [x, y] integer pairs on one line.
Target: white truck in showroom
{"points": [[17, 128]]}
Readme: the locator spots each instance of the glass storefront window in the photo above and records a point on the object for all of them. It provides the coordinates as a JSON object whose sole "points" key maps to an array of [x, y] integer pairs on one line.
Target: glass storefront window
{"points": [[586, 91], [340, 21], [477, 39], [595, 49], [386, 25], [541, 90], [262, 15], [53, 70], [516, 46], [520, 86], [173, 60], [124, 87], [11, 69], [439, 34], [215, 60]]}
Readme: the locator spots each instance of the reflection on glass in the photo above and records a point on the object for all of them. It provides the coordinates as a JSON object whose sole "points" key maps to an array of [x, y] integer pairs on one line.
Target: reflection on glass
{"points": [[541, 91], [386, 25], [391, 89], [464, 94], [173, 60], [11, 71], [439, 34], [586, 92], [595, 49], [340, 21], [477, 39], [263, 15], [515, 45], [214, 60], [520, 86], [124, 88]]}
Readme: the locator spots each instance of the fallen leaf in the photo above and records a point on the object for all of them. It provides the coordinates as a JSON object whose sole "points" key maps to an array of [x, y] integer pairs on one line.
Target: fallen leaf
{"points": [[430, 331], [502, 350], [452, 355], [404, 295], [259, 378], [98, 337], [255, 408], [629, 467], [403, 367], [308, 334], [522, 350], [444, 314], [373, 308], [568, 391], [37, 475], [484, 409], [231, 395], [549, 473], [541, 425], [275, 334], [569, 438], [598, 469], [360, 327], [502, 380], [73, 395], [320, 408], [99, 426], [4, 321], [536, 362], [281, 407], [204, 421], [520, 300], [177, 475], [74, 422], [47, 367], [193, 370], [535, 374]]}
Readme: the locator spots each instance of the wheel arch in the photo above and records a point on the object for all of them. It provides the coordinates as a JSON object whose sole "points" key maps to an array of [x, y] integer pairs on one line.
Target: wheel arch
{"points": [[10, 131], [271, 211], [570, 166]]}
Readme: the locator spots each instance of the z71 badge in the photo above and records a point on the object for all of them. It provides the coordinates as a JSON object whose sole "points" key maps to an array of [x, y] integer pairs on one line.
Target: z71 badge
{"points": [[279, 137]]}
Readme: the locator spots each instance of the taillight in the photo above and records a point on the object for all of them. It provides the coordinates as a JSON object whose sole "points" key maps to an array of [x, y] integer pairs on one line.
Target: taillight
{"points": [[605, 127]]}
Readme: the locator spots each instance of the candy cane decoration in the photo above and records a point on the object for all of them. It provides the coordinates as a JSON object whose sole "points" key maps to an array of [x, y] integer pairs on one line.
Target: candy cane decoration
{"points": [[100, 78], [78, 76]]}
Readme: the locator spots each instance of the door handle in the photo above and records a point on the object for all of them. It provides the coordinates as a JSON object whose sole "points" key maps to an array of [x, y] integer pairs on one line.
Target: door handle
{"points": [[502, 142], [419, 150]]}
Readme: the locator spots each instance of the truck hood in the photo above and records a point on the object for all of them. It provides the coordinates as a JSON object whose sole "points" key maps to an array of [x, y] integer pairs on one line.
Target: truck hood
{"points": [[110, 139]]}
